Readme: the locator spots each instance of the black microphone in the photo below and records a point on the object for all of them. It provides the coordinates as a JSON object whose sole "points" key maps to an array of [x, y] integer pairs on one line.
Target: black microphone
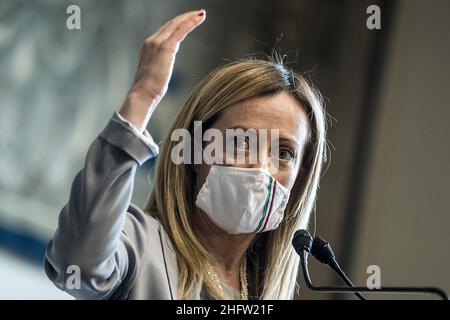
{"points": [[302, 241], [303, 244], [321, 250]]}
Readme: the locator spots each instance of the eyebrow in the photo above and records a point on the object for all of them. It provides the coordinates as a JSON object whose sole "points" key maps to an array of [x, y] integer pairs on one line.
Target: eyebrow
{"points": [[292, 142]]}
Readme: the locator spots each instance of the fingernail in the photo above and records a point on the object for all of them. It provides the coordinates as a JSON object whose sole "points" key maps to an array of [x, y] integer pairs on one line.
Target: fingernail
{"points": [[201, 13]]}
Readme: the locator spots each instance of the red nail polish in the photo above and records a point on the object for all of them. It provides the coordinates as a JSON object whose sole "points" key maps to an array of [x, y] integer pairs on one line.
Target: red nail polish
{"points": [[202, 13]]}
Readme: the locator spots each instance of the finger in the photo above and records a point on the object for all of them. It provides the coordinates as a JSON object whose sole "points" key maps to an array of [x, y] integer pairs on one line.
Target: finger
{"points": [[184, 29], [166, 30], [184, 22], [162, 28]]}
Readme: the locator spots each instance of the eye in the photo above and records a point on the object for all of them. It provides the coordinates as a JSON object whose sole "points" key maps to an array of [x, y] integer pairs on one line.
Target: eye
{"points": [[242, 142], [286, 154]]}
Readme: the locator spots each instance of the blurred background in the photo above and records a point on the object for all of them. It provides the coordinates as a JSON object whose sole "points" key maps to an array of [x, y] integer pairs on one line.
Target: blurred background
{"points": [[384, 196]]}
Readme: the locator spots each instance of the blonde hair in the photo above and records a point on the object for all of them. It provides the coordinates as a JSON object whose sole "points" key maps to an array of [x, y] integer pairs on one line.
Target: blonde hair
{"points": [[273, 263]]}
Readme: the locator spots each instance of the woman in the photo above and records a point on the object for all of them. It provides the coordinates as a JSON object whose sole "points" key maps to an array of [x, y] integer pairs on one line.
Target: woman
{"points": [[208, 231]]}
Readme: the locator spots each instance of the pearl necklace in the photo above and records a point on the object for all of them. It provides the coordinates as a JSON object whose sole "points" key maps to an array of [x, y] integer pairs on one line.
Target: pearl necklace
{"points": [[242, 276]]}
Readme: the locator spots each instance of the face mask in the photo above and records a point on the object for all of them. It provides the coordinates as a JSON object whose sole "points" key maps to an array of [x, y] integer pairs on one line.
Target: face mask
{"points": [[242, 200]]}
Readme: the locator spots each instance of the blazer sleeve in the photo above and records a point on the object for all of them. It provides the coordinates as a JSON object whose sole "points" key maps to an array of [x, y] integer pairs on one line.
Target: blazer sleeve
{"points": [[89, 242]]}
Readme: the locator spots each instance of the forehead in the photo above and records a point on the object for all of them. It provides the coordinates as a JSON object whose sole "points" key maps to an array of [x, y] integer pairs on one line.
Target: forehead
{"points": [[280, 111]]}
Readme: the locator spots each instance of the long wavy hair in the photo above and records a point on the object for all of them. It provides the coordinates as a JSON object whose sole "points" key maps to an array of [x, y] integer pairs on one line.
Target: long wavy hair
{"points": [[272, 262]]}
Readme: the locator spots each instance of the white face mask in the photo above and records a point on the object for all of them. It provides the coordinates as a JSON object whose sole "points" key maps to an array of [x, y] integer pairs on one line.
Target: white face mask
{"points": [[243, 200]]}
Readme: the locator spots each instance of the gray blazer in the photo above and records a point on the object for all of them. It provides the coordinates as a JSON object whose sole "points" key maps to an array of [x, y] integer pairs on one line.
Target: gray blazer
{"points": [[121, 252]]}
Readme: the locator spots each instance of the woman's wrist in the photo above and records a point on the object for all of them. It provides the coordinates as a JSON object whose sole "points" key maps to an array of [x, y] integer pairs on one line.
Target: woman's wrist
{"points": [[138, 107]]}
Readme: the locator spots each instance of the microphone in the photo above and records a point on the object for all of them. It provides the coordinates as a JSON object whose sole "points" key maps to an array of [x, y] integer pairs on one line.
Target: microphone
{"points": [[303, 244], [321, 250]]}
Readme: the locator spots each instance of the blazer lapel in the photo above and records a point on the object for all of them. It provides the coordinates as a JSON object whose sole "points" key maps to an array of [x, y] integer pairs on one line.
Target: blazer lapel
{"points": [[170, 261]]}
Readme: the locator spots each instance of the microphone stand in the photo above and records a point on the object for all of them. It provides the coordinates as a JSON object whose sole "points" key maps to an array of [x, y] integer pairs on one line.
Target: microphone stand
{"points": [[303, 243], [410, 290]]}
